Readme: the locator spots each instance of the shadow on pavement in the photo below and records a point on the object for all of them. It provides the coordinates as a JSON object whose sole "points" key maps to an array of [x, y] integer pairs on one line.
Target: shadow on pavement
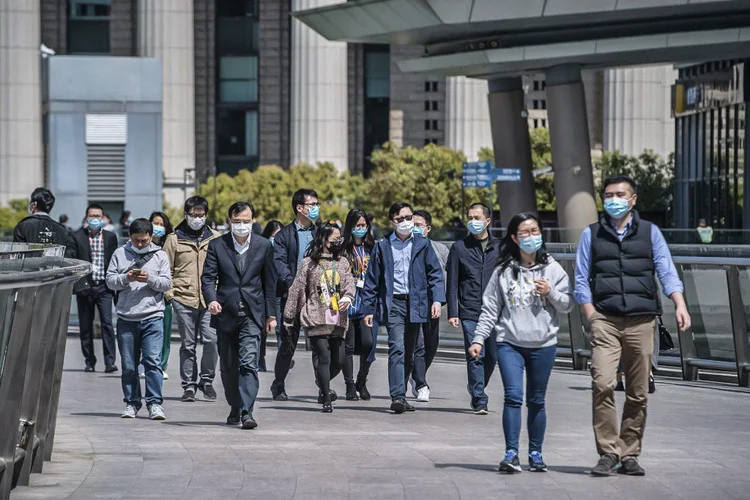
{"points": [[191, 423], [479, 467], [97, 414]]}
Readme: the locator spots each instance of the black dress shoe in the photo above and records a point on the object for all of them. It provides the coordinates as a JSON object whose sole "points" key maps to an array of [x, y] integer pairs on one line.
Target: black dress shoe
{"points": [[399, 406], [248, 422], [331, 393], [327, 408], [234, 417], [630, 467], [408, 407], [110, 369], [89, 368]]}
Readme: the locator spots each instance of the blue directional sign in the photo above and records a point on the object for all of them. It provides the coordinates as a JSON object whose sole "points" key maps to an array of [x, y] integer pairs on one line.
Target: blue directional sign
{"points": [[482, 174]]}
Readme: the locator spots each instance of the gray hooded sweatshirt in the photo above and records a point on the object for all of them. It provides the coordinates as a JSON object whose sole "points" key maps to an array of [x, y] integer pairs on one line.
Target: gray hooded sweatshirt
{"points": [[517, 314], [139, 301]]}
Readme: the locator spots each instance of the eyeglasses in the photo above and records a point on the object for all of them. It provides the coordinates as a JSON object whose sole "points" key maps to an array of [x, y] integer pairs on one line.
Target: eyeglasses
{"points": [[524, 234], [312, 205], [399, 220], [197, 214]]}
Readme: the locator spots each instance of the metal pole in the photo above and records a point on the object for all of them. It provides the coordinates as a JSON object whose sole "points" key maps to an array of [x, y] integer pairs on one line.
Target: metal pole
{"points": [[463, 202]]}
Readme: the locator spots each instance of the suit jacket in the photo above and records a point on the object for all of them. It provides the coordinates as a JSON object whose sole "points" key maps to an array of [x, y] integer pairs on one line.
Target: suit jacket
{"points": [[426, 281], [285, 255], [80, 248], [221, 281]]}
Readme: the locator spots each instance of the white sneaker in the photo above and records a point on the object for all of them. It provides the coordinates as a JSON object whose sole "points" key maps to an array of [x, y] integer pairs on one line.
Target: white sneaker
{"points": [[423, 395], [142, 375], [130, 412], [156, 412], [165, 375]]}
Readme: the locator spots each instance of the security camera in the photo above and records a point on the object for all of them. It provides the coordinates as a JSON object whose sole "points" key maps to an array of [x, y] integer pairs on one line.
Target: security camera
{"points": [[46, 51]]}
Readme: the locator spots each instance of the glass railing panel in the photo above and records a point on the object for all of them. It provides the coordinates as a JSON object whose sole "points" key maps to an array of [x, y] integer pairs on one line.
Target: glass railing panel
{"points": [[7, 306]]}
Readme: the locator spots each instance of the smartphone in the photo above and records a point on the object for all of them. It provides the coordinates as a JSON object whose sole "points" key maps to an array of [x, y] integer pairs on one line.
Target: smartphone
{"points": [[136, 271]]}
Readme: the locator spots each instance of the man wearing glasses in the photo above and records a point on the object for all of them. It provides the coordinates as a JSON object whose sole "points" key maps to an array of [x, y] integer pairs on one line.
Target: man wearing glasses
{"points": [[403, 272], [290, 246]]}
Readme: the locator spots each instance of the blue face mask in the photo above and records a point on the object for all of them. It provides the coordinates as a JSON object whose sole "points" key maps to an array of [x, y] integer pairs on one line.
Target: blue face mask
{"points": [[159, 231], [476, 226], [418, 230], [313, 213], [359, 232], [140, 251], [530, 244], [95, 223], [617, 208]]}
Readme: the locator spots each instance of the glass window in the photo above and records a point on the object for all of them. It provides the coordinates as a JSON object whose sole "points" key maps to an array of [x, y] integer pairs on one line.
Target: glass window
{"points": [[237, 36], [434, 105], [236, 8], [377, 74], [434, 86], [427, 124], [238, 79], [88, 9], [426, 86], [435, 125], [238, 132], [535, 104], [427, 105], [88, 36]]}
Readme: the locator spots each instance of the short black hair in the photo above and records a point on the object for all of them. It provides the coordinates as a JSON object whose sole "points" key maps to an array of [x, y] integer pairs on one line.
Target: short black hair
{"points": [[396, 208], [485, 209], [141, 226], [95, 206], [43, 198], [425, 215], [618, 179], [298, 198], [63, 219], [239, 206], [196, 202], [271, 227]]}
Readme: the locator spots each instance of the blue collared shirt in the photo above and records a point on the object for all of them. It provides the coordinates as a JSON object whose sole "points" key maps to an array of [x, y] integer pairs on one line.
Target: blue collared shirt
{"points": [[665, 269], [401, 263], [304, 238]]}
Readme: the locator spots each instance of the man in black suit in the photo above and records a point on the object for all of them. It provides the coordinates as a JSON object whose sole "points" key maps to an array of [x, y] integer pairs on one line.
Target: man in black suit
{"points": [[96, 245], [239, 286], [39, 227], [290, 246]]}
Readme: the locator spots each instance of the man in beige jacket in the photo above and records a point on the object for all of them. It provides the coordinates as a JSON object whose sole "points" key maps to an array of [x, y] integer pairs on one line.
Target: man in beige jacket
{"points": [[187, 248]]}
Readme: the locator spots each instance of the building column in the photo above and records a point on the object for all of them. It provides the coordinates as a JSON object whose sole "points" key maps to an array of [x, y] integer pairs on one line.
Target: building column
{"points": [[467, 120], [165, 31], [571, 150], [21, 159], [510, 140], [319, 94]]}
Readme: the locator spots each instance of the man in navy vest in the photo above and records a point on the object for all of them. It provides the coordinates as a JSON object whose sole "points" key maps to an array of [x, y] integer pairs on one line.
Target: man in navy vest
{"points": [[618, 261]]}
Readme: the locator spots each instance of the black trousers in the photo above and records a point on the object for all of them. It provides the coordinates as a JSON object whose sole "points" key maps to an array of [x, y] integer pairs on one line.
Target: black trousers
{"points": [[429, 340], [99, 297], [239, 346], [289, 338], [330, 358], [358, 341]]}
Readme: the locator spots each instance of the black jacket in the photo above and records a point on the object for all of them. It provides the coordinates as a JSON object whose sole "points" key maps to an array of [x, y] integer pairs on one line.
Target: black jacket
{"points": [[623, 273], [40, 228], [285, 255], [469, 270], [221, 281], [80, 249]]}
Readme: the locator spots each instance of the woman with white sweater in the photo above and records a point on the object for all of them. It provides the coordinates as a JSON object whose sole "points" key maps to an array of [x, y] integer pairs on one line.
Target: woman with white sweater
{"points": [[521, 307]]}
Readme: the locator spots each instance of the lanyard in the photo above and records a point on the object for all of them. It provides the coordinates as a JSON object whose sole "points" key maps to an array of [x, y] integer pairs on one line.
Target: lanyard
{"points": [[361, 259]]}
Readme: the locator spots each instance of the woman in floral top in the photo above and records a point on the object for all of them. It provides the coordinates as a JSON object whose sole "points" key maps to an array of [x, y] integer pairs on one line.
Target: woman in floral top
{"points": [[322, 292], [358, 244]]}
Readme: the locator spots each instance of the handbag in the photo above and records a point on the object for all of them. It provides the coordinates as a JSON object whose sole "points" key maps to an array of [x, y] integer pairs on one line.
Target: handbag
{"points": [[665, 339]]}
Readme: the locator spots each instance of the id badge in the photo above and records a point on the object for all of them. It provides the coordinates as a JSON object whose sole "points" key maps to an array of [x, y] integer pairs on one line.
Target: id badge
{"points": [[360, 283]]}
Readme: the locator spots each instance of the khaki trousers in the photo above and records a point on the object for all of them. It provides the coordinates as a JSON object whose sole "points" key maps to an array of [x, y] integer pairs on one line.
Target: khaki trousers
{"points": [[630, 339]]}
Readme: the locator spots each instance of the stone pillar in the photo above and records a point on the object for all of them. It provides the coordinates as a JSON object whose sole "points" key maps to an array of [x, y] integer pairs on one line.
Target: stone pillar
{"points": [[571, 153], [467, 121], [21, 159], [510, 140], [637, 109], [165, 31], [319, 94]]}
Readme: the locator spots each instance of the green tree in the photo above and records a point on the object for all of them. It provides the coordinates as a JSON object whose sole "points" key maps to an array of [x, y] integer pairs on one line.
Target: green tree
{"points": [[13, 213], [653, 175]]}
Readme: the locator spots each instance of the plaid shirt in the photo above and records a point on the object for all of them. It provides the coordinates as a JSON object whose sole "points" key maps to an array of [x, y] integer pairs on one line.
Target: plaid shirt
{"points": [[97, 255]]}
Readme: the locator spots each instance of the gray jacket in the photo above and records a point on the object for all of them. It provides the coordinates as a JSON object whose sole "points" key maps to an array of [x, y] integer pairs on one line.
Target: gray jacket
{"points": [[517, 314], [442, 252], [139, 301]]}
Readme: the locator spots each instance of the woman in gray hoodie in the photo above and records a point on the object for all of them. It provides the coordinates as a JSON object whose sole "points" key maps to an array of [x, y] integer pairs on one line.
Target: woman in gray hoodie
{"points": [[521, 307]]}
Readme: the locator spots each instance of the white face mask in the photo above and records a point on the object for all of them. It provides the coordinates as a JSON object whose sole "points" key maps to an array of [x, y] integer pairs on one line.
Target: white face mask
{"points": [[241, 229], [405, 228], [195, 223]]}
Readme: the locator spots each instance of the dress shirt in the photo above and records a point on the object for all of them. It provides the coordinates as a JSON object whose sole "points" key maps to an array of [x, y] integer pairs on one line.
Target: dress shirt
{"points": [[401, 263], [665, 268], [241, 248], [304, 238]]}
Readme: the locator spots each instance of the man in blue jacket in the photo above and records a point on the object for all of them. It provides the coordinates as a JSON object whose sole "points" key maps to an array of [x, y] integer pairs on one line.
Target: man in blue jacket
{"points": [[470, 265], [404, 270]]}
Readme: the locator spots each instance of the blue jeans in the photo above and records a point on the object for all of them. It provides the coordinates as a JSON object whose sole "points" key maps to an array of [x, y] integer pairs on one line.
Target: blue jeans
{"points": [[141, 340], [479, 370], [403, 336], [538, 364]]}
